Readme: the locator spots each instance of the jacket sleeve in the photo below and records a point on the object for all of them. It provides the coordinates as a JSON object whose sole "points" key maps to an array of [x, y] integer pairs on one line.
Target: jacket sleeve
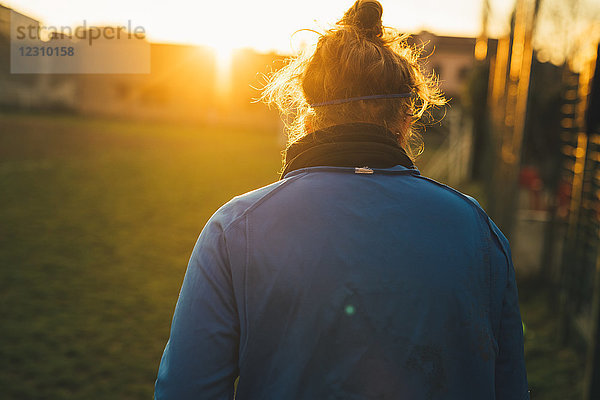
{"points": [[511, 376], [200, 360]]}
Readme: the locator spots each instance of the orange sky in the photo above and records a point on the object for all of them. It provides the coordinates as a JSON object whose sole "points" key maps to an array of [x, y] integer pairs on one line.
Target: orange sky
{"points": [[261, 24]]}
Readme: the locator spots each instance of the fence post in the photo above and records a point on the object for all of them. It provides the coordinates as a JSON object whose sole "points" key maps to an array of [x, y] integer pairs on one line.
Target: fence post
{"points": [[592, 372]]}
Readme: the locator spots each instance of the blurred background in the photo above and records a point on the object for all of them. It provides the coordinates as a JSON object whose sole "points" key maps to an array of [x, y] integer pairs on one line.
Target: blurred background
{"points": [[107, 179]]}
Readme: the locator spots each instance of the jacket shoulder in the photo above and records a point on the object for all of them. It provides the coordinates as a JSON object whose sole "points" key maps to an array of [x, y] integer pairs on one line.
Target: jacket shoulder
{"points": [[480, 212], [467, 200], [239, 206]]}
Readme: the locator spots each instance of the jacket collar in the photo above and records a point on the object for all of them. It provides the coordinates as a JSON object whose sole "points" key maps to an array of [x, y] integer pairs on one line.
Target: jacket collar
{"points": [[347, 145]]}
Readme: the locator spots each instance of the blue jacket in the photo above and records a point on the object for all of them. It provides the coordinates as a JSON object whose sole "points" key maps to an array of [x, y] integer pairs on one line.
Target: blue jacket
{"points": [[334, 284]]}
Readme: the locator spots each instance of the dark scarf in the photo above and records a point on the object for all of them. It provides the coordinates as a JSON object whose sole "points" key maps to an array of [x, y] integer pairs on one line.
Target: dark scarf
{"points": [[356, 144]]}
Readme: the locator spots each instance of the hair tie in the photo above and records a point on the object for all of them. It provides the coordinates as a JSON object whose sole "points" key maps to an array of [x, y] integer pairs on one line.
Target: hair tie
{"points": [[375, 96]]}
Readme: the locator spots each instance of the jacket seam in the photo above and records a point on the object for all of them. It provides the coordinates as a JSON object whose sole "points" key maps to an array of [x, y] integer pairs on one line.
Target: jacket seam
{"points": [[244, 216], [246, 319], [481, 215], [486, 249], [230, 276], [508, 267], [491, 279]]}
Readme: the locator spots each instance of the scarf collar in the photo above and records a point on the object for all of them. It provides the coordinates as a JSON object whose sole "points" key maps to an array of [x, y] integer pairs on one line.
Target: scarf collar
{"points": [[357, 144]]}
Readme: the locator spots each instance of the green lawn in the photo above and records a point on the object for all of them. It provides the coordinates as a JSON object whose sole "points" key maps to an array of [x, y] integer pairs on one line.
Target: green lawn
{"points": [[553, 373], [97, 221]]}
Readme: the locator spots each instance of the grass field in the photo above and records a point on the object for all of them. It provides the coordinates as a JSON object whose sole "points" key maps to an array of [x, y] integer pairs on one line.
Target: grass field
{"points": [[97, 221]]}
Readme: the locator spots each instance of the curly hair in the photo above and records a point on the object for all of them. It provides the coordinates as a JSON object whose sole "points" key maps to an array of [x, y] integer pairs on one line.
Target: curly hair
{"points": [[357, 57]]}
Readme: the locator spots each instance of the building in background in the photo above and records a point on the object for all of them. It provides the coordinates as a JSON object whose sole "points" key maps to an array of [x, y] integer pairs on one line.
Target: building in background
{"points": [[181, 85], [451, 58], [21, 91]]}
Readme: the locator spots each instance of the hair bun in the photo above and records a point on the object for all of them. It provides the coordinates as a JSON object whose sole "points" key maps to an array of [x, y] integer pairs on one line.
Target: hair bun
{"points": [[368, 13], [366, 16]]}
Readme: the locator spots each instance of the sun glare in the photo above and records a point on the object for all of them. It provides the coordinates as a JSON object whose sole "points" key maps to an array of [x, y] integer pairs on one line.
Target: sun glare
{"points": [[224, 58]]}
